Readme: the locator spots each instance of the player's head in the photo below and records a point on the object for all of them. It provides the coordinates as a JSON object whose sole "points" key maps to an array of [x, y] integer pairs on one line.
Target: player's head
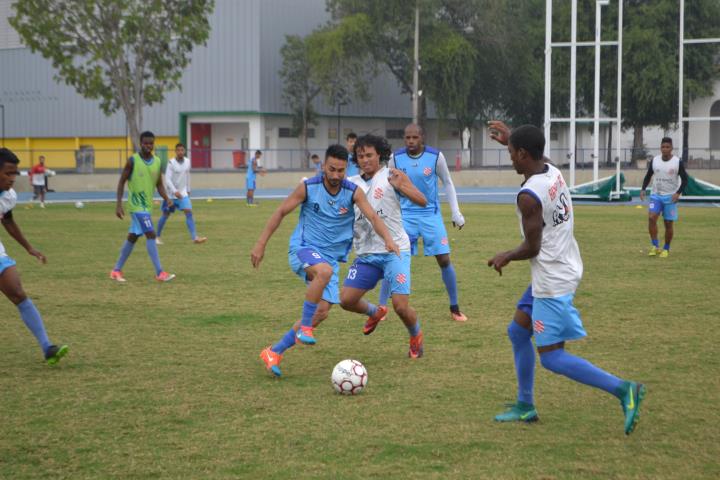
{"points": [[180, 150], [41, 159], [350, 140], [414, 138], [315, 158], [666, 147], [8, 169], [526, 145], [370, 152], [258, 154], [147, 142], [336, 159]]}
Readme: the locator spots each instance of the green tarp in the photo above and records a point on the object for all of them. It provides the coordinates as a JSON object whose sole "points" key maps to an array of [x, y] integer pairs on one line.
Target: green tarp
{"points": [[602, 190]]}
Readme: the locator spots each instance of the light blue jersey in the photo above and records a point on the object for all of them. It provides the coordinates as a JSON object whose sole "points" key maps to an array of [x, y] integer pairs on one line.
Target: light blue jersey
{"points": [[422, 173], [326, 221], [352, 168], [251, 170]]}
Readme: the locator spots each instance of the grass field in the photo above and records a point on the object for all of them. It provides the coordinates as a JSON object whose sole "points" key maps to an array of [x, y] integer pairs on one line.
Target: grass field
{"points": [[164, 380]]}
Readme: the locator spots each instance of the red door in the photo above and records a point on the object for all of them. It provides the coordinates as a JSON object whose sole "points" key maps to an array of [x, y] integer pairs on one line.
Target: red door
{"points": [[200, 145]]}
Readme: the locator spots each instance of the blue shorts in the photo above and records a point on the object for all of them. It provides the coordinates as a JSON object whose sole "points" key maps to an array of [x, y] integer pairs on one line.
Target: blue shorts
{"points": [[367, 270], [250, 184], [664, 204], [526, 301], [556, 320], [305, 257], [177, 203], [432, 230], [141, 223], [6, 262]]}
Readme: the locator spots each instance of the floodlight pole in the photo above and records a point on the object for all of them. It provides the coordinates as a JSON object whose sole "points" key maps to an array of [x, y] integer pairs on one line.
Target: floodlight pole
{"points": [[619, 94], [548, 73], [573, 89], [416, 65], [596, 118], [681, 75]]}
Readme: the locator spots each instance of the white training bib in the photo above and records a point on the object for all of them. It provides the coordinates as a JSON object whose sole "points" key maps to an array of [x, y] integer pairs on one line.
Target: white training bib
{"points": [[666, 177], [8, 200]]}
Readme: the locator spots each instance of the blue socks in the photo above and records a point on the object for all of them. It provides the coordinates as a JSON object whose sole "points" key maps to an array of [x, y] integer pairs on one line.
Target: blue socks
{"points": [[384, 292], [153, 252], [190, 222], [161, 224], [666, 246], [34, 323], [580, 370], [415, 329], [371, 309], [307, 313], [450, 280], [655, 242], [524, 355], [287, 341], [125, 252]]}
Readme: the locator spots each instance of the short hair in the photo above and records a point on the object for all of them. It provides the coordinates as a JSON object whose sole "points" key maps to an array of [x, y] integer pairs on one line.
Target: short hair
{"points": [[666, 140], [258, 152], [529, 137], [180, 145], [351, 135], [314, 155], [7, 156], [146, 134], [420, 128], [41, 157], [336, 151], [381, 146]]}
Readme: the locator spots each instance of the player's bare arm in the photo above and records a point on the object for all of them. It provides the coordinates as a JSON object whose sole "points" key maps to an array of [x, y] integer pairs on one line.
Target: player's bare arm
{"points": [[499, 131], [119, 212], [161, 188], [14, 231], [289, 204], [532, 222], [377, 223], [400, 182]]}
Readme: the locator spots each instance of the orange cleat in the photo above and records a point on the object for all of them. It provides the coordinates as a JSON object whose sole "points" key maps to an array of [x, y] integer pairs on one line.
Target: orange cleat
{"points": [[305, 336], [272, 361], [458, 316], [416, 346], [164, 277], [117, 275], [199, 239], [373, 320]]}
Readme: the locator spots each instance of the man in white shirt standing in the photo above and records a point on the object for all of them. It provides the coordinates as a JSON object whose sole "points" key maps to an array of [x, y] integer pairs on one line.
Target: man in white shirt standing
{"points": [[382, 186], [546, 309], [177, 184]]}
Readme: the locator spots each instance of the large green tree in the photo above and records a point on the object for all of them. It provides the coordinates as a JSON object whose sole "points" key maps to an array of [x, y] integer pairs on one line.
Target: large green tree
{"points": [[125, 53]]}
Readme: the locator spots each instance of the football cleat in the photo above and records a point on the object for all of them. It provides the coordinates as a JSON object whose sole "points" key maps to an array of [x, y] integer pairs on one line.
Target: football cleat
{"points": [[630, 401], [304, 335], [416, 346], [518, 412], [199, 239], [664, 253], [164, 276], [54, 353], [117, 275], [458, 316], [158, 241], [373, 320], [653, 251], [272, 361]]}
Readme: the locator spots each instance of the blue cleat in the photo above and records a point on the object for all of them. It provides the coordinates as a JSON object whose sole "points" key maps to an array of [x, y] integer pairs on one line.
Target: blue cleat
{"points": [[518, 412], [633, 395], [304, 335]]}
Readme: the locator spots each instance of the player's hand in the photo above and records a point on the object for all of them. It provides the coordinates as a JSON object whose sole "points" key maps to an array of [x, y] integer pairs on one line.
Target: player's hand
{"points": [[178, 195], [391, 246], [119, 212], [499, 131], [37, 254], [397, 178], [675, 197], [256, 255], [459, 222], [499, 261], [642, 195]]}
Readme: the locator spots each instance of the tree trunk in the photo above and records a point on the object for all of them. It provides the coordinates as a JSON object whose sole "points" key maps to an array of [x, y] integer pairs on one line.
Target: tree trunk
{"points": [[686, 147], [638, 150]]}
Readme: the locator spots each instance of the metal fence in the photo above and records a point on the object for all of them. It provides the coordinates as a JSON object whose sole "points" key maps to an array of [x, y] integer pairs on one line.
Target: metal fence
{"points": [[88, 160]]}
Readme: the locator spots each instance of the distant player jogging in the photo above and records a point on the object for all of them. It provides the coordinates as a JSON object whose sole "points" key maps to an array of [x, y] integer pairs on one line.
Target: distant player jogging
{"points": [[669, 182], [10, 284], [424, 165], [142, 173], [321, 240], [546, 309], [177, 186], [383, 188]]}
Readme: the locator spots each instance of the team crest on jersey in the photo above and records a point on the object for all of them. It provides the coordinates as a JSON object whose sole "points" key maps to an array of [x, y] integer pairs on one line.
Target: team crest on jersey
{"points": [[427, 171], [538, 326], [401, 278], [378, 193], [342, 211], [562, 211], [331, 202]]}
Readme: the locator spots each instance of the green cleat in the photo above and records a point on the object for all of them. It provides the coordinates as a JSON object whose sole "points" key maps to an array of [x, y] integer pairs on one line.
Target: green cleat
{"points": [[653, 251], [519, 412], [633, 395], [54, 353]]}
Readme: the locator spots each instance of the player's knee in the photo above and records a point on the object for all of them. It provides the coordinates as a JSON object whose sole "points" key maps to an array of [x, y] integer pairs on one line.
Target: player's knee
{"points": [[324, 272], [346, 302], [150, 235], [443, 260], [549, 361], [16, 295], [517, 333], [132, 238]]}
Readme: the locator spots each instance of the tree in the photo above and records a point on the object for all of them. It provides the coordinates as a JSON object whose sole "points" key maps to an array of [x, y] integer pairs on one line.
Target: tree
{"points": [[125, 53]]}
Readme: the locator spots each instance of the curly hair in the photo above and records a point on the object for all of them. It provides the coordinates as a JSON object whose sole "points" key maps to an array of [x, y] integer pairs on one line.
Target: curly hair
{"points": [[381, 146]]}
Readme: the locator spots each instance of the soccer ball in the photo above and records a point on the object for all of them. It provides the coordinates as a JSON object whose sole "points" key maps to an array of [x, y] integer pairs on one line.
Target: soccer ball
{"points": [[349, 377], [79, 204]]}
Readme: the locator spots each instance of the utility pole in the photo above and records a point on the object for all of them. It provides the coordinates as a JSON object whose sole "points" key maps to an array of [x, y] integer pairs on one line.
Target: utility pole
{"points": [[416, 66]]}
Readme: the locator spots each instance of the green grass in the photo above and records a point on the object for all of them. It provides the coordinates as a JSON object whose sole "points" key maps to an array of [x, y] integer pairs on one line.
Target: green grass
{"points": [[164, 380]]}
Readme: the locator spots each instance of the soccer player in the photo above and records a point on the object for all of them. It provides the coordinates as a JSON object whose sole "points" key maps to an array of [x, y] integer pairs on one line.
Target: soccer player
{"points": [[666, 169], [9, 278], [546, 309], [143, 174], [424, 165], [38, 180], [177, 185], [322, 238], [383, 187], [352, 169], [315, 158], [252, 171]]}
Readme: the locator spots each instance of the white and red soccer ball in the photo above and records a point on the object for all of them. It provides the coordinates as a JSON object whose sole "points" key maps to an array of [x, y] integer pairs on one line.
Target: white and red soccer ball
{"points": [[349, 377]]}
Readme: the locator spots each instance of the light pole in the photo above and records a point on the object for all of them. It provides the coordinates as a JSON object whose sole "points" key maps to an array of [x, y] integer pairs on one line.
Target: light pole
{"points": [[416, 66], [596, 117]]}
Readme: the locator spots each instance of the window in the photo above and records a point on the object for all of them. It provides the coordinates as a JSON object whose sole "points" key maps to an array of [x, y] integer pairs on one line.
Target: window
{"points": [[715, 127], [284, 132], [393, 133]]}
